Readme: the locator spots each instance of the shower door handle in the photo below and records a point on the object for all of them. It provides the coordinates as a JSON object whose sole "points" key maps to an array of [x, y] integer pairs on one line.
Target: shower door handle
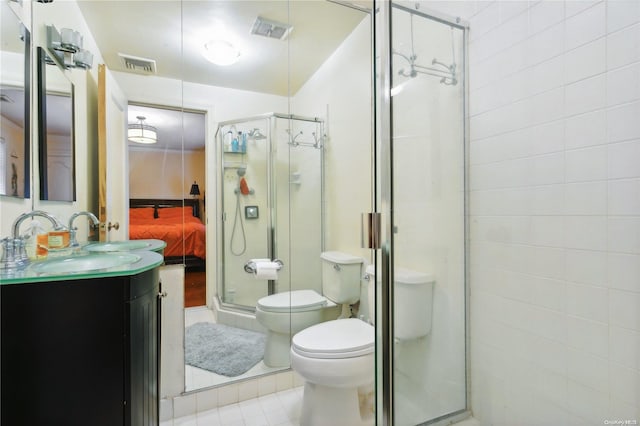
{"points": [[371, 227]]}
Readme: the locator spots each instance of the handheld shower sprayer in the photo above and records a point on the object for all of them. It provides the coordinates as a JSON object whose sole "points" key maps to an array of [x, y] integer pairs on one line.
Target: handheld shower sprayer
{"points": [[243, 187]]}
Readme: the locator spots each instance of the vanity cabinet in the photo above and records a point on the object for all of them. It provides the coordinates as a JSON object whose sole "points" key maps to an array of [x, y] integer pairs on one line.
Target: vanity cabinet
{"points": [[81, 351]]}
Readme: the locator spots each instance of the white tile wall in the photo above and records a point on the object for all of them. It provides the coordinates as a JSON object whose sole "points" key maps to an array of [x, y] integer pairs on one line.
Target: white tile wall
{"points": [[555, 211]]}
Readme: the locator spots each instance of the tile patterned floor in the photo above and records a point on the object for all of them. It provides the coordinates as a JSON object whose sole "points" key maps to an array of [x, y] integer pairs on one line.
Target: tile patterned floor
{"points": [[277, 409]]}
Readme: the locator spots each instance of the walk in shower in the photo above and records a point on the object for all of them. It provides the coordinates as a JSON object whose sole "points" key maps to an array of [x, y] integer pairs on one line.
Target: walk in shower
{"points": [[422, 189], [271, 205]]}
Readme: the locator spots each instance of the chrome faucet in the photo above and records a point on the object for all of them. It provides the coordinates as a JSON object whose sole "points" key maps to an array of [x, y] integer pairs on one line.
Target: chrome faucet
{"points": [[72, 230], [16, 225]]}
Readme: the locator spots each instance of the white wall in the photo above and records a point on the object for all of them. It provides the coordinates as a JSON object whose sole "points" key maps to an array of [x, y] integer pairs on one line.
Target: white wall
{"points": [[341, 89], [165, 174], [555, 211]]}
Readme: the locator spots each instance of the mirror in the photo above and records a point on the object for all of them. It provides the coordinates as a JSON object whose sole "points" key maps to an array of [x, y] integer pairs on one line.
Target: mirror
{"points": [[165, 67], [55, 132], [14, 111]]}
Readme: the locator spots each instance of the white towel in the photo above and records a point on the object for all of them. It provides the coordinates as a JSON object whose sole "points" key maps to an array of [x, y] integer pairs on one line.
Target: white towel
{"points": [[266, 270]]}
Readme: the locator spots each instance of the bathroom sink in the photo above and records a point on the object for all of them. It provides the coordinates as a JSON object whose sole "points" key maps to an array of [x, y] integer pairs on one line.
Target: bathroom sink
{"points": [[118, 246], [90, 262]]}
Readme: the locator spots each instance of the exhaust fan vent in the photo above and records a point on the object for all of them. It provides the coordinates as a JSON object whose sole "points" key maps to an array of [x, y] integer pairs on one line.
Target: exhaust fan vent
{"points": [[271, 29], [137, 65]]}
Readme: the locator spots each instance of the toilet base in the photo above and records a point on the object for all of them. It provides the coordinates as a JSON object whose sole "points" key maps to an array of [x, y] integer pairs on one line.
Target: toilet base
{"points": [[277, 350], [322, 406]]}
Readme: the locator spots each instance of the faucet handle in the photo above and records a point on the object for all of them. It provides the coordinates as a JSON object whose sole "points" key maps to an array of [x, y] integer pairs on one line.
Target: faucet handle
{"points": [[8, 260], [20, 251]]}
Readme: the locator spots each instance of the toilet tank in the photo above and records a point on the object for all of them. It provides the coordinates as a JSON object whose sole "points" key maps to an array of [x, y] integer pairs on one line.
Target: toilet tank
{"points": [[413, 302], [341, 274]]}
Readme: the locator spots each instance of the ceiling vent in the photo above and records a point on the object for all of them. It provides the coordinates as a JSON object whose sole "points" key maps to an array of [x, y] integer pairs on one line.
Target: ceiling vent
{"points": [[271, 29], [137, 65]]}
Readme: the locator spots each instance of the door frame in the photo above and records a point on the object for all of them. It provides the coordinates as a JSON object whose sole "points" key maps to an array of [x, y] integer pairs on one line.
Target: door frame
{"points": [[383, 197]]}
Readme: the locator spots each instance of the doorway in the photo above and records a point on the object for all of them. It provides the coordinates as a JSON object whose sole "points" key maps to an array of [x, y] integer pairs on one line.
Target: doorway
{"points": [[168, 176]]}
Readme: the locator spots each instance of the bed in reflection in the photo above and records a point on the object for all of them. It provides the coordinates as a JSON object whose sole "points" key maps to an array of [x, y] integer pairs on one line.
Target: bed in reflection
{"points": [[176, 222]]}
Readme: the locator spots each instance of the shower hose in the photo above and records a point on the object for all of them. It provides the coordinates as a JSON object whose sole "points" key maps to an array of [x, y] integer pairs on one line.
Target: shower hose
{"points": [[238, 218]]}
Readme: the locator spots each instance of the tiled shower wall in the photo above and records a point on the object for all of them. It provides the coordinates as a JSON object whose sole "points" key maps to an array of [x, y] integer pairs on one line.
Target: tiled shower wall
{"points": [[555, 211]]}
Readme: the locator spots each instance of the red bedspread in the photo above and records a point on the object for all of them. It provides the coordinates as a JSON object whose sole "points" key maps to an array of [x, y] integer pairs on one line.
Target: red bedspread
{"points": [[183, 233]]}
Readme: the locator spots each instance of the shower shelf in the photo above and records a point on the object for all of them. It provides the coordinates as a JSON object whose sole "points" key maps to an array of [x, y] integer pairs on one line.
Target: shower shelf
{"points": [[234, 165]]}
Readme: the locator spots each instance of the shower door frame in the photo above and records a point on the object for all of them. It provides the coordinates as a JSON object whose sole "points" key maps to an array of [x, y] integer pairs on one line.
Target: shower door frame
{"points": [[382, 163], [272, 190]]}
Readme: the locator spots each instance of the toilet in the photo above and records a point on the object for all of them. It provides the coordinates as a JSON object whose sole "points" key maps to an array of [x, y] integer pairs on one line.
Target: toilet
{"points": [[337, 358], [413, 302], [286, 313]]}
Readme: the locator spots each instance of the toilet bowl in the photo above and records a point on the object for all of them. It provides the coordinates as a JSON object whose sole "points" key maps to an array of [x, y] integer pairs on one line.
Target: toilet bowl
{"points": [[286, 313], [336, 360]]}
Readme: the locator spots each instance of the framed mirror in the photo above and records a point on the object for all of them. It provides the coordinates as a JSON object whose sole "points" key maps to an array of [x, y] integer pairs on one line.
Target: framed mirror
{"points": [[15, 66], [56, 144]]}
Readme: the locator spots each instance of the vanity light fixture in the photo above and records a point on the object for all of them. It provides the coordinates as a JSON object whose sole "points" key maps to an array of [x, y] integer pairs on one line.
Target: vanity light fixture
{"points": [[221, 52], [65, 49], [142, 133]]}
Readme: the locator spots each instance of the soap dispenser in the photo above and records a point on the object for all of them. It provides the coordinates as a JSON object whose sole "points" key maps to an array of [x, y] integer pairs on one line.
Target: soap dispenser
{"points": [[36, 241]]}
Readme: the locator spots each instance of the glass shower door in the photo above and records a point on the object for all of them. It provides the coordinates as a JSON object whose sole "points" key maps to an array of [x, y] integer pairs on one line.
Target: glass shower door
{"points": [[422, 191]]}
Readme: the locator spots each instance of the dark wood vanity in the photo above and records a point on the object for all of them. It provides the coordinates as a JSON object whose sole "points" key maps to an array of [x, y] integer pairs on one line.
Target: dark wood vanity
{"points": [[81, 352]]}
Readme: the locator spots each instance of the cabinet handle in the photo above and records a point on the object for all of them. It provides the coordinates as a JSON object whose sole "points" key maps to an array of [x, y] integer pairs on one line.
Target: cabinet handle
{"points": [[111, 226], [162, 294]]}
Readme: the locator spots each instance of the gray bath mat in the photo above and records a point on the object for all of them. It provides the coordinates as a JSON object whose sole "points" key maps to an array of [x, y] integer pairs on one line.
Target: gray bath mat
{"points": [[222, 349]]}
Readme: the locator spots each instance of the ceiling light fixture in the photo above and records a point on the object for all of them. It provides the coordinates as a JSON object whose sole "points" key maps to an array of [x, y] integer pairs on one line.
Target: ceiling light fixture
{"points": [[142, 133], [221, 52]]}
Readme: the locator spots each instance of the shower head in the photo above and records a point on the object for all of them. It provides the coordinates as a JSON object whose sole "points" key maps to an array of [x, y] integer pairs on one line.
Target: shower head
{"points": [[256, 134]]}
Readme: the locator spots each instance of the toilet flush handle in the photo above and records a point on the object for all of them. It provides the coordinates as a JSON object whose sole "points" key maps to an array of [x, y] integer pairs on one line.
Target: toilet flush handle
{"points": [[337, 267]]}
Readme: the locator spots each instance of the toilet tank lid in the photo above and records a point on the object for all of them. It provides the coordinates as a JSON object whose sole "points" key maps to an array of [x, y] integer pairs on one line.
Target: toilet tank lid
{"points": [[406, 276], [341, 258]]}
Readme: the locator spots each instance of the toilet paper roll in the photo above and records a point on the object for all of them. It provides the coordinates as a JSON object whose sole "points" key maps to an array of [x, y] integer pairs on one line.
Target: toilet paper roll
{"points": [[266, 271]]}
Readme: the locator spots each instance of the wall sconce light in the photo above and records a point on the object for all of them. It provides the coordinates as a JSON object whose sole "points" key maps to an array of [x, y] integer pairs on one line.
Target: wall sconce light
{"points": [[142, 133], [65, 48], [195, 190]]}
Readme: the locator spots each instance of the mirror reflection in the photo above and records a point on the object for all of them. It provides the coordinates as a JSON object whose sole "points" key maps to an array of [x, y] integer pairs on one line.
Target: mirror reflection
{"points": [[14, 111], [283, 72], [55, 132]]}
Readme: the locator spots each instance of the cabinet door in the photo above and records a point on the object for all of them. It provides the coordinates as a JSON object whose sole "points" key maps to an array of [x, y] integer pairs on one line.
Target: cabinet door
{"points": [[62, 353], [144, 367]]}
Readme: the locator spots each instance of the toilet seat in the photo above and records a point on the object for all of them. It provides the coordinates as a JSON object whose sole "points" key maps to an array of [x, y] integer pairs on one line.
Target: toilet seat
{"points": [[343, 338], [292, 301]]}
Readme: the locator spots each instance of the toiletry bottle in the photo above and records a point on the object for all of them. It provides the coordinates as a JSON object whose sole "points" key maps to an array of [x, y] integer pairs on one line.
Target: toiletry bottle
{"points": [[228, 137], [58, 238], [42, 244], [31, 238], [243, 143], [234, 144]]}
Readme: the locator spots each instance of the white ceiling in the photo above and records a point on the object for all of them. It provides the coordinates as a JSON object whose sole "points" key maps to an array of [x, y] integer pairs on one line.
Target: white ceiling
{"points": [[173, 34]]}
